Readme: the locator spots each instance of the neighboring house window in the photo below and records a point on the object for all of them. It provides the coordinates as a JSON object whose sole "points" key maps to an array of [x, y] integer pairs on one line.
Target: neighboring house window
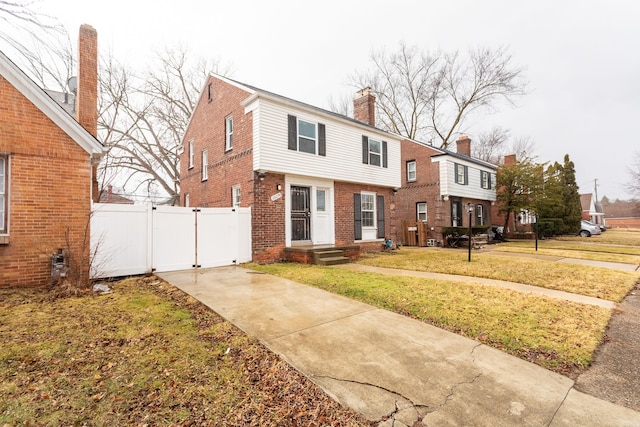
{"points": [[210, 92], [374, 152], [228, 133], [461, 174], [192, 154], [411, 170], [205, 165], [485, 179], [187, 200], [368, 216], [235, 195], [4, 190], [306, 136], [421, 211], [480, 219]]}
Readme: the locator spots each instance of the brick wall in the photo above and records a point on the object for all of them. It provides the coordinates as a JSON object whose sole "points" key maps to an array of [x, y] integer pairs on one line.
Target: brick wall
{"points": [[344, 225], [49, 188], [226, 168], [426, 188], [268, 220]]}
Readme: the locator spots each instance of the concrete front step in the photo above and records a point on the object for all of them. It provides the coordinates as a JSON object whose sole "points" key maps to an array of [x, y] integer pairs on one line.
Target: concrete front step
{"points": [[332, 260]]}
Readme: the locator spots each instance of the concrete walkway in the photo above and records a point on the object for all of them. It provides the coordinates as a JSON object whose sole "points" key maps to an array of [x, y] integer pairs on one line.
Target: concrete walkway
{"points": [[393, 369], [567, 296]]}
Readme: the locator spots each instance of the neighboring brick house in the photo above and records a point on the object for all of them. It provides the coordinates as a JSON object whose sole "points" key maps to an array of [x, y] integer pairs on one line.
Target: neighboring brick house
{"points": [[47, 170], [592, 209], [439, 187], [310, 176]]}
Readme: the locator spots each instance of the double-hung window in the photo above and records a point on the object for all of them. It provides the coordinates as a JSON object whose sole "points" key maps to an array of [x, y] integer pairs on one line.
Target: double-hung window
{"points": [[411, 170], [306, 136], [4, 190], [235, 195], [421, 211], [368, 207], [374, 152], [228, 133], [485, 179], [205, 165], [461, 174]]}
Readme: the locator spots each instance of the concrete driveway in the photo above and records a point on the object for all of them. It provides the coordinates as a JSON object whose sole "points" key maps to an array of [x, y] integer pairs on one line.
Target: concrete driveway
{"points": [[390, 368]]}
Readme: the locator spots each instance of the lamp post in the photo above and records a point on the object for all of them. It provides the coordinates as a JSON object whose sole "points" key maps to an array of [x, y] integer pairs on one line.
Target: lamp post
{"points": [[470, 209], [535, 218]]}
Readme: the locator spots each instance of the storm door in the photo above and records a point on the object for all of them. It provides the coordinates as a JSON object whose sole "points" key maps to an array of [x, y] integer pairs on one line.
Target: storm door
{"points": [[300, 214], [456, 213]]}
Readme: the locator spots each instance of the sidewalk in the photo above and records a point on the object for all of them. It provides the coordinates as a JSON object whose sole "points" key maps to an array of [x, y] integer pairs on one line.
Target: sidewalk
{"points": [[391, 368]]}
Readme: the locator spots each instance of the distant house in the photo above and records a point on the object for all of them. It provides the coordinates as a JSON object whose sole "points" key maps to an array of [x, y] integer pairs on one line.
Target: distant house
{"points": [[48, 163], [110, 197], [622, 214], [592, 209], [441, 188], [312, 178]]}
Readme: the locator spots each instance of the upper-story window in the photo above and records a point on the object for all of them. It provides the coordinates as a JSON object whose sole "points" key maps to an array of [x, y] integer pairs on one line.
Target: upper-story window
{"points": [[4, 190], [306, 136], [461, 174], [205, 165], [228, 132], [210, 92], [485, 179], [411, 170], [374, 152], [192, 154]]}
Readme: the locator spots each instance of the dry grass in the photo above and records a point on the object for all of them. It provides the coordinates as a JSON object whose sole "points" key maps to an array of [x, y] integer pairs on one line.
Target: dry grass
{"points": [[596, 282], [579, 250], [145, 355], [614, 236], [558, 335]]}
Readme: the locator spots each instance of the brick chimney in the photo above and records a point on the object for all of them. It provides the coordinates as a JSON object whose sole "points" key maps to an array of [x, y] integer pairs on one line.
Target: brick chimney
{"points": [[364, 107], [87, 96], [463, 145], [509, 159]]}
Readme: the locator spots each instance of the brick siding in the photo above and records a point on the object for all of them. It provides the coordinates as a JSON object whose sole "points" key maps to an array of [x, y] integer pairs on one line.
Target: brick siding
{"points": [[49, 190]]}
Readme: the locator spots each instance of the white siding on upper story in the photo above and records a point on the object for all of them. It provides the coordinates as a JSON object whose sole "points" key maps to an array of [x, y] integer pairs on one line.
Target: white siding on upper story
{"points": [[473, 189], [343, 160]]}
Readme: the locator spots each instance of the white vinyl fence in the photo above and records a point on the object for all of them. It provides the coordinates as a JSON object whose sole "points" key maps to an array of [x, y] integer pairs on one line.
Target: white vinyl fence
{"points": [[138, 239]]}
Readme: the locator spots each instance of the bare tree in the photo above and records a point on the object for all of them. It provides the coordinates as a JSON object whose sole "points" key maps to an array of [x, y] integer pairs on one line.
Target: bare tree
{"points": [[427, 96], [491, 145], [39, 43], [633, 186], [142, 118]]}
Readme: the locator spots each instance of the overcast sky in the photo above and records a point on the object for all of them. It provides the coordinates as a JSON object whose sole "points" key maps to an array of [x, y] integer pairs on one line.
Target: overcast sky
{"points": [[582, 57]]}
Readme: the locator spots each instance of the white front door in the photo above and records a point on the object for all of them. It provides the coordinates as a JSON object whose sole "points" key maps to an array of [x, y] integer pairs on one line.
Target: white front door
{"points": [[309, 211]]}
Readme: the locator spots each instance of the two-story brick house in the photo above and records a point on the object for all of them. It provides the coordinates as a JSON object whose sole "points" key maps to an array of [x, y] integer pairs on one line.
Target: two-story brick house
{"points": [[310, 176], [439, 187], [47, 171]]}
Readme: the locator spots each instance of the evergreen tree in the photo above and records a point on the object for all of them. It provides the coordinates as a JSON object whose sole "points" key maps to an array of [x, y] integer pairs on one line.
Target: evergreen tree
{"points": [[571, 197]]}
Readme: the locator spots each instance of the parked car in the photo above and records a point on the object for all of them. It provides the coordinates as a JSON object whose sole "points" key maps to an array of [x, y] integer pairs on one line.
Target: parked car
{"points": [[587, 229]]}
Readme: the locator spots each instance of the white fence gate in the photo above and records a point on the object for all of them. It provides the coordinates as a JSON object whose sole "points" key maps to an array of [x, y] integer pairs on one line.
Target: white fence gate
{"points": [[138, 239]]}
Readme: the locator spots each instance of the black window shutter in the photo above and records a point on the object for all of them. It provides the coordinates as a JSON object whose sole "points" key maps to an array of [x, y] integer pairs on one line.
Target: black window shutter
{"points": [[384, 154], [293, 132], [466, 175], [490, 179], [322, 140], [365, 150], [455, 173], [380, 215], [357, 217]]}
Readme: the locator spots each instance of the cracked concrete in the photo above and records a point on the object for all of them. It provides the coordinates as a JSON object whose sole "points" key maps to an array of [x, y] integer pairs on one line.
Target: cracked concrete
{"points": [[392, 369]]}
